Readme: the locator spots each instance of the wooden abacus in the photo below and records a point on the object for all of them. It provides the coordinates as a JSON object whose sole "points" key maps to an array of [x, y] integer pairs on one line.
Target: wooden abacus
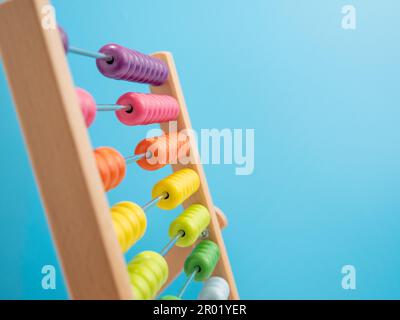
{"points": [[65, 168]]}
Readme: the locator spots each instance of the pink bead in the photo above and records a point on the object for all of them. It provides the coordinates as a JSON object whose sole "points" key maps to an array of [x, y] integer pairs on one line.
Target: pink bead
{"points": [[147, 108], [88, 106]]}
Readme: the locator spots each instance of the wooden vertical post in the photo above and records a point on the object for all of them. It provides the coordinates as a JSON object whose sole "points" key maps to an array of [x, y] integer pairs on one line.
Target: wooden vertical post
{"points": [[61, 154], [177, 256]]}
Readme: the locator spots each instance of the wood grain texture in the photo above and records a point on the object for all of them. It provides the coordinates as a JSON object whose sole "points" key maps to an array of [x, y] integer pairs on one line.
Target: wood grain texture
{"points": [[176, 256], [61, 154]]}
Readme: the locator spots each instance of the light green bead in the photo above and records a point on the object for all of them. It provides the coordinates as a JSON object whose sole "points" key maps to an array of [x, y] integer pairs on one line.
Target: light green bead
{"points": [[148, 272], [170, 297], [193, 221]]}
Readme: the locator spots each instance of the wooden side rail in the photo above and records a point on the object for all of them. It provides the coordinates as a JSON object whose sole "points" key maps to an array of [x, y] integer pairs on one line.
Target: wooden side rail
{"points": [[61, 154], [173, 88]]}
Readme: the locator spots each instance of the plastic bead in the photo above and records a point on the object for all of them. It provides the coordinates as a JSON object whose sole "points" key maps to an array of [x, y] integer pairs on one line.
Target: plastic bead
{"points": [[179, 186], [170, 297], [130, 65], [64, 38], [215, 288], [111, 165], [205, 257], [166, 149], [129, 222], [193, 221], [148, 272], [147, 108], [88, 106]]}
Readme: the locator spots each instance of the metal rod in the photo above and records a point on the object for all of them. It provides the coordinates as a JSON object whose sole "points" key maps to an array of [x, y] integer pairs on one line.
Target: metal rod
{"points": [[111, 107], [205, 234], [91, 54], [154, 201], [187, 282], [136, 157], [171, 243]]}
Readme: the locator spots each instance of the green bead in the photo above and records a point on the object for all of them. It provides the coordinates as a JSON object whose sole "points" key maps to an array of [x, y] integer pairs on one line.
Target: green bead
{"points": [[170, 298], [204, 257]]}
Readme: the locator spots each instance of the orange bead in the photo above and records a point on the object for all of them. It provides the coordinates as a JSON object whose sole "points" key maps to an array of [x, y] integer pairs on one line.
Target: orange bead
{"points": [[165, 149], [111, 165]]}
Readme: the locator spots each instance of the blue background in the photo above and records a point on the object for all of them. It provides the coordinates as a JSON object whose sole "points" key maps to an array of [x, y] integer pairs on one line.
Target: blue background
{"points": [[324, 103]]}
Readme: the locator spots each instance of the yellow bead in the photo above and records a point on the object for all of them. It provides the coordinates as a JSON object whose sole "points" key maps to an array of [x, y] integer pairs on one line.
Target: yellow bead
{"points": [[148, 272], [120, 235], [121, 225], [129, 222], [179, 186], [193, 221]]}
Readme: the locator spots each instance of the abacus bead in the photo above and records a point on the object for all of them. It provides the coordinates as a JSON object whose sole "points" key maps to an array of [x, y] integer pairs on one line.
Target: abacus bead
{"points": [[64, 38], [120, 64], [179, 186], [204, 256], [164, 150], [170, 297], [130, 65], [147, 108], [193, 221], [111, 165], [129, 222], [215, 288], [88, 106], [148, 272], [120, 232]]}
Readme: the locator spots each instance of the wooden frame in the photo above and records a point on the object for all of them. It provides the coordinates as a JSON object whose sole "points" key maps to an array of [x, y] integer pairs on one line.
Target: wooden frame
{"points": [[177, 257], [62, 158]]}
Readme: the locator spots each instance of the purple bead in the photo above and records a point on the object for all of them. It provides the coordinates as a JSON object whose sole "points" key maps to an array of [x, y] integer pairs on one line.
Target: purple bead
{"points": [[133, 66], [64, 38], [120, 64]]}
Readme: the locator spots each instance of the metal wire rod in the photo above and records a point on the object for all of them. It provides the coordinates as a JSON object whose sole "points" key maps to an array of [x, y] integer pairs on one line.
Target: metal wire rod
{"points": [[187, 282], [90, 54]]}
